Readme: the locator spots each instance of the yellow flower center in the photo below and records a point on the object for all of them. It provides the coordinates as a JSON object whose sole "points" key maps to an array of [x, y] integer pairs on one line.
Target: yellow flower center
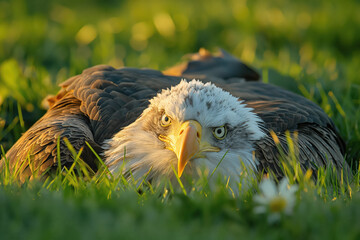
{"points": [[277, 204]]}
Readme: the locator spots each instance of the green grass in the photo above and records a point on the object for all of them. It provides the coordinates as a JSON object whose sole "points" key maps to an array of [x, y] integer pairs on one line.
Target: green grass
{"points": [[109, 207], [311, 48]]}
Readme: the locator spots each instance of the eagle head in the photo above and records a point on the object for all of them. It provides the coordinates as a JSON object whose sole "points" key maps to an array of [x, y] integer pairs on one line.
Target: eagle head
{"points": [[190, 127]]}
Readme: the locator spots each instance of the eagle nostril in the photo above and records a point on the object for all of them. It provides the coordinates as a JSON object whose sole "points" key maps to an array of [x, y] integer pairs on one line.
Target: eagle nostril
{"points": [[198, 134], [182, 130]]}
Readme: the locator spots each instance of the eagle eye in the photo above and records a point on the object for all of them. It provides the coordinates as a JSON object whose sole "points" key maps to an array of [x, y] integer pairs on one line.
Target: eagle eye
{"points": [[220, 132], [165, 120]]}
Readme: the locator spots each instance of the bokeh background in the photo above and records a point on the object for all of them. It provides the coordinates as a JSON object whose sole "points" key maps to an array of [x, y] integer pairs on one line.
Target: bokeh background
{"points": [[310, 47]]}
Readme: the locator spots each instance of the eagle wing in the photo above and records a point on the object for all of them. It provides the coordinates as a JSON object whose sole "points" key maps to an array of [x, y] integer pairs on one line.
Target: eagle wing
{"points": [[317, 140], [36, 150]]}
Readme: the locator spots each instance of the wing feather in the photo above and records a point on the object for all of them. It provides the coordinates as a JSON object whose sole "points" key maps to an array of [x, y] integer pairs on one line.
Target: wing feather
{"points": [[319, 143]]}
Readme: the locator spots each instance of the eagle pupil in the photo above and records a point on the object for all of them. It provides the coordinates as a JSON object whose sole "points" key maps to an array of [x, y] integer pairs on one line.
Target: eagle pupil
{"points": [[165, 120], [219, 132]]}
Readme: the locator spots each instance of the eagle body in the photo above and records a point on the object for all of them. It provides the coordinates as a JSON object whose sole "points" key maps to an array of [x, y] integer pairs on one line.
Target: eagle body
{"points": [[146, 123]]}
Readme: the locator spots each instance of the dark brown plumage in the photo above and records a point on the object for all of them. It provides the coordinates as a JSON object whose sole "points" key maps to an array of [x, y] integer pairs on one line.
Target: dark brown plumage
{"points": [[98, 103]]}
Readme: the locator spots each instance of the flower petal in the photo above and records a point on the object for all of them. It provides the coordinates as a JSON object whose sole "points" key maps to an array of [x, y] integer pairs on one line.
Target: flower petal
{"points": [[259, 209], [283, 186], [268, 188], [260, 200], [290, 193]]}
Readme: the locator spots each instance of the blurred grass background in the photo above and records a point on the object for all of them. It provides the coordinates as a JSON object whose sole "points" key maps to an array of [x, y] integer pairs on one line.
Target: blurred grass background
{"points": [[309, 47]]}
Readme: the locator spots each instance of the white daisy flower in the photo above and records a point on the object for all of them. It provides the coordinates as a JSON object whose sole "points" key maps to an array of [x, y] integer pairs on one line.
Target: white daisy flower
{"points": [[275, 200]]}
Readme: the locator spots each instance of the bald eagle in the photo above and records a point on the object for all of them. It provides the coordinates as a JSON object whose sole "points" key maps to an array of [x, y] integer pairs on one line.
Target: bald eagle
{"points": [[210, 112]]}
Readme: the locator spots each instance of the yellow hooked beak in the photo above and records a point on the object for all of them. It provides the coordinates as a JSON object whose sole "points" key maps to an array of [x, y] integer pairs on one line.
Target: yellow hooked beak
{"points": [[188, 144]]}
